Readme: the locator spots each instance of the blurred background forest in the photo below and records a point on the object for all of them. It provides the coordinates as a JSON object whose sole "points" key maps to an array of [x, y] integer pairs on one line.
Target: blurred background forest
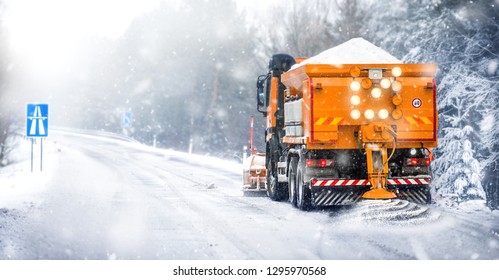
{"points": [[187, 71]]}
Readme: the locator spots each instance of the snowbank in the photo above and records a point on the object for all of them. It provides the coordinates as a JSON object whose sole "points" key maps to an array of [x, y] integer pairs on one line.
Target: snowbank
{"points": [[18, 185], [354, 51]]}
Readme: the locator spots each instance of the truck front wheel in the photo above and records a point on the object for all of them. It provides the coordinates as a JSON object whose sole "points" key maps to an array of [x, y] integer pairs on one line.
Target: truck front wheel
{"points": [[275, 190]]}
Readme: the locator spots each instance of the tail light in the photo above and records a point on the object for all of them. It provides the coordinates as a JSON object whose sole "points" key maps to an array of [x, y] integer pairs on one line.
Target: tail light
{"points": [[417, 161], [320, 162]]}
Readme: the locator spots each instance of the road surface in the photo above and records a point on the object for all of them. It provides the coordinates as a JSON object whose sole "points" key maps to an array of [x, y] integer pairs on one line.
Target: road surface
{"points": [[105, 198]]}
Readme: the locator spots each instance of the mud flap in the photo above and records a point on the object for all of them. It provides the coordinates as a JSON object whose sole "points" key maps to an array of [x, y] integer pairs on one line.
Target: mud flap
{"points": [[415, 193], [330, 196]]}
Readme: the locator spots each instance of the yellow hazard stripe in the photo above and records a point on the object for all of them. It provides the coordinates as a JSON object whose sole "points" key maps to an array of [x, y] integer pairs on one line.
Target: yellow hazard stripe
{"points": [[411, 120], [328, 121], [336, 121], [320, 121], [425, 120]]}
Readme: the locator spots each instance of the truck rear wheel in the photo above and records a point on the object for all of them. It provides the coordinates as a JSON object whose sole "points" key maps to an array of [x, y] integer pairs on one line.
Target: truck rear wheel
{"points": [[293, 165], [303, 193]]}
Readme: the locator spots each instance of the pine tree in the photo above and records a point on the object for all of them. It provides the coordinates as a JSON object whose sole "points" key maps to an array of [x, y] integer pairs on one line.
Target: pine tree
{"points": [[5, 127], [187, 74], [457, 171], [460, 37]]}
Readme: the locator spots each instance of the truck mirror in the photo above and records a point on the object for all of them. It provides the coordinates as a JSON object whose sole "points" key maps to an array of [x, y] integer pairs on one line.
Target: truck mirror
{"points": [[260, 94]]}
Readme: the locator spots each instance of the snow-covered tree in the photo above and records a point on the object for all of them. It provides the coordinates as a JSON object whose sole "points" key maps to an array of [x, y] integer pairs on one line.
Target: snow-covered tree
{"points": [[187, 73], [456, 169], [459, 37], [300, 28], [5, 126], [489, 134], [351, 20]]}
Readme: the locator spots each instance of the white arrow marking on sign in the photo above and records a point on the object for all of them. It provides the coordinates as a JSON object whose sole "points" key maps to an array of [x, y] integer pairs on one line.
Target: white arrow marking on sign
{"points": [[37, 115]]}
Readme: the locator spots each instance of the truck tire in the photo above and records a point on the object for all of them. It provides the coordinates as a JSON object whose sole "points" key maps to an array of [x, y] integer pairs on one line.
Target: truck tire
{"points": [[275, 190], [303, 193], [293, 165]]}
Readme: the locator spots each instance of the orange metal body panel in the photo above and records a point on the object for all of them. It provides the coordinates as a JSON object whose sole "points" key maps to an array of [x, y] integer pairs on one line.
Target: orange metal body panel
{"points": [[326, 92], [272, 108]]}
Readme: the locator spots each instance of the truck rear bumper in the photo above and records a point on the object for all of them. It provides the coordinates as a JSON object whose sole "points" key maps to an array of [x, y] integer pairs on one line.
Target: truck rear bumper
{"points": [[329, 192]]}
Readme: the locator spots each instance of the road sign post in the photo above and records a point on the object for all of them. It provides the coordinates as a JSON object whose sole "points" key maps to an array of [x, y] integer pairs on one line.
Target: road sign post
{"points": [[32, 143], [41, 154], [37, 120]]}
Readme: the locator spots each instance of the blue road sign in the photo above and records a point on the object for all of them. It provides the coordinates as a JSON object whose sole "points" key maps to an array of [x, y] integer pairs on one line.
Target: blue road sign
{"points": [[37, 120], [126, 119]]}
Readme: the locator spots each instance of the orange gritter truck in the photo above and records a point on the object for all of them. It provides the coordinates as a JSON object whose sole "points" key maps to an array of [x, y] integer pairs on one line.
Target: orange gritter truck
{"points": [[336, 134]]}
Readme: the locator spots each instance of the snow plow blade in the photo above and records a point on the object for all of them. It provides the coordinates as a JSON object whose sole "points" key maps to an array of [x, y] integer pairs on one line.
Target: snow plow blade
{"points": [[254, 174]]}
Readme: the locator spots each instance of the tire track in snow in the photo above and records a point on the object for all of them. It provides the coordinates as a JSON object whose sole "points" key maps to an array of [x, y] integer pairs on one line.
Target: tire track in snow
{"points": [[390, 212], [246, 233], [187, 191], [393, 229]]}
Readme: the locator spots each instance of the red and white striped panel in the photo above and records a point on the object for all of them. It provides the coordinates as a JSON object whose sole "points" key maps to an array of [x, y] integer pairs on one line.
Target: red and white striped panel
{"points": [[333, 183], [414, 181]]}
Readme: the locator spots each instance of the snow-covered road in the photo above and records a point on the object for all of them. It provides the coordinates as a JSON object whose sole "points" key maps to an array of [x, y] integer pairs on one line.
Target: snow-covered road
{"points": [[105, 198]]}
